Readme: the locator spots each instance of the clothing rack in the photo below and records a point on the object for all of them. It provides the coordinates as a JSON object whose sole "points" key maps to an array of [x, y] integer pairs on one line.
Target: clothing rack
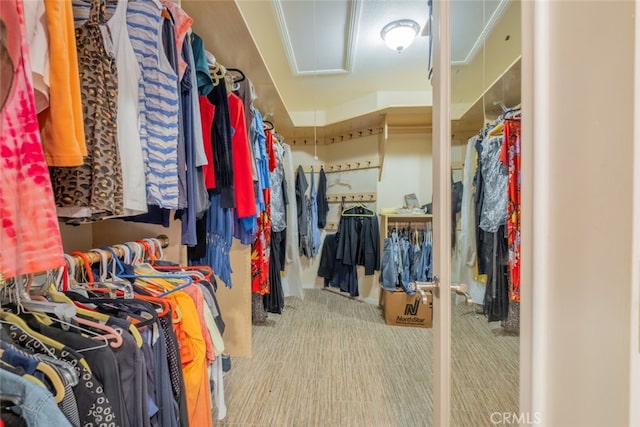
{"points": [[94, 257]]}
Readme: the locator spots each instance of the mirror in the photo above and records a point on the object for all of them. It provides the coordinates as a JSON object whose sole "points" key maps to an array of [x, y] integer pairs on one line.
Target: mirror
{"points": [[485, 87]]}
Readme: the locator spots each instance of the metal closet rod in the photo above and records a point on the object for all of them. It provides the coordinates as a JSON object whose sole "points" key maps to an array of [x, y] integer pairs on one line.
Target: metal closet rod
{"points": [[94, 257]]}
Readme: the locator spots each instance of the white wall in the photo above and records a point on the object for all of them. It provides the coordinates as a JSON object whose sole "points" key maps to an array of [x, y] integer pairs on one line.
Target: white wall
{"points": [[580, 206], [407, 169]]}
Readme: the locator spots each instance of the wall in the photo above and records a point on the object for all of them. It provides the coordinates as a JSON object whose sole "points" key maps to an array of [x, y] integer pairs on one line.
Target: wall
{"points": [[407, 169], [580, 207]]}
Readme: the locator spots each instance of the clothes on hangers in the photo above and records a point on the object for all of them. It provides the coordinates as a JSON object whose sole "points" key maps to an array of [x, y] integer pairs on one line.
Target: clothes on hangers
{"points": [[358, 242], [321, 199], [494, 256], [29, 232], [406, 258]]}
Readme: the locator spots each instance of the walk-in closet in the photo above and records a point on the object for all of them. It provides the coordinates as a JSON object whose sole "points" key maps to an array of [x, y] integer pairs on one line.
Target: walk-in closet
{"points": [[319, 213]]}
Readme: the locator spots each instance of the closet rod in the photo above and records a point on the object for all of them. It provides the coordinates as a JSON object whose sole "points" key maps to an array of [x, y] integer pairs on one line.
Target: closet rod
{"points": [[94, 257]]}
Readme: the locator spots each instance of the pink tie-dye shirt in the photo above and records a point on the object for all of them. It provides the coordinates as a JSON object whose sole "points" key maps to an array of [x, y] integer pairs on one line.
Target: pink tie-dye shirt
{"points": [[29, 234]]}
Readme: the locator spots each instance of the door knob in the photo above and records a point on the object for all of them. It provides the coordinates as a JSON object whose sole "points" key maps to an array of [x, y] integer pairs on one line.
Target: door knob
{"points": [[458, 288]]}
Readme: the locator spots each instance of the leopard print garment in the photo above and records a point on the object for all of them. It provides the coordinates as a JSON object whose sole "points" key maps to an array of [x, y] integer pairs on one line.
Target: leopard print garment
{"points": [[97, 184]]}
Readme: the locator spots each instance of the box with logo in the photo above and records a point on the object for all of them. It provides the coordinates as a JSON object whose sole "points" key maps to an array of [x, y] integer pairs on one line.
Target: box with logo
{"points": [[401, 309]]}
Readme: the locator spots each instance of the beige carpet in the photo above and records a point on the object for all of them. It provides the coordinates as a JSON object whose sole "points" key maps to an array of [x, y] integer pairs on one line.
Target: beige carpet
{"points": [[331, 361]]}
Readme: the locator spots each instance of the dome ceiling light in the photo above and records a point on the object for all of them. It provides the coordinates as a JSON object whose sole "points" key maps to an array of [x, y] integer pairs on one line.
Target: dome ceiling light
{"points": [[399, 35]]}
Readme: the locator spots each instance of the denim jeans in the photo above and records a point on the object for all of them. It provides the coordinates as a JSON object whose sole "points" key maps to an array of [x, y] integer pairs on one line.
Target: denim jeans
{"points": [[406, 261], [389, 268]]}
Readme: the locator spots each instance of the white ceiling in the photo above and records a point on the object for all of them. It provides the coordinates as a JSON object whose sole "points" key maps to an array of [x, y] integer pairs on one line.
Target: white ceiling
{"points": [[325, 60]]}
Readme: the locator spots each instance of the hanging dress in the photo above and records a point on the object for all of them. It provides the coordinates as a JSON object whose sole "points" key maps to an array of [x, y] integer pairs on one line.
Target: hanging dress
{"points": [[94, 190], [29, 233], [511, 157]]}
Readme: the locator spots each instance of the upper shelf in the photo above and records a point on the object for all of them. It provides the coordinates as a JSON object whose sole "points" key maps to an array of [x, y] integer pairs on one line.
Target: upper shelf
{"points": [[505, 90]]}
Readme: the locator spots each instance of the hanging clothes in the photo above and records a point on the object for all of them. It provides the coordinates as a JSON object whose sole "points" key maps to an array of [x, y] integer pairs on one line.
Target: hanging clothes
{"points": [[94, 190], [205, 84], [278, 182], [511, 157], [314, 231], [158, 103], [335, 272], [301, 186], [242, 179], [466, 247], [407, 257], [222, 147], [321, 199], [359, 240], [62, 124], [29, 233], [129, 145], [218, 240], [37, 34], [292, 281]]}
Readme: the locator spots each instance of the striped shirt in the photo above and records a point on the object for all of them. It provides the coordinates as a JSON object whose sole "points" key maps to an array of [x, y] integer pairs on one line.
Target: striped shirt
{"points": [[159, 103]]}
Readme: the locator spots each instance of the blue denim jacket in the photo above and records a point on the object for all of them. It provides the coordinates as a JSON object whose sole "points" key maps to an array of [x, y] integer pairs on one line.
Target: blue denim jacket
{"points": [[38, 408]]}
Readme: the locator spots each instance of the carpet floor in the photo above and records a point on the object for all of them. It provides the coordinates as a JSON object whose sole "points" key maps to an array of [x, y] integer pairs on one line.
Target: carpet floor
{"points": [[331, 361]]}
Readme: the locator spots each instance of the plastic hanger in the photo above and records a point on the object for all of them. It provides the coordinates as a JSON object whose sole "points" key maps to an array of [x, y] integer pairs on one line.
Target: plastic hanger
{"points": [[201, 271], [52, 376], [62, 311], [44, 341], [111, 333], [138, 255]]}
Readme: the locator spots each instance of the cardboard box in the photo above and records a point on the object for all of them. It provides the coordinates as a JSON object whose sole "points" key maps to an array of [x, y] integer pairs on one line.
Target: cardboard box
{"points": [[401, 309]]}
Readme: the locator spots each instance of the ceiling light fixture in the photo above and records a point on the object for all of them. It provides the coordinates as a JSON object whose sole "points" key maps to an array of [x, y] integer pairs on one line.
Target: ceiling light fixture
{"points": [[399, 35]]}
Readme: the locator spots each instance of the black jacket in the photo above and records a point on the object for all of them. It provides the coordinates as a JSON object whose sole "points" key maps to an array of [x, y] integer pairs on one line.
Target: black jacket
{"points": [[359, 242]]}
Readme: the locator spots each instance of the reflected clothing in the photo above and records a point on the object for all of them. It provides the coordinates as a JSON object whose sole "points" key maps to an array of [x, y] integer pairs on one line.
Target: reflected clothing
{"points": [[496, 297], [495, 177]]}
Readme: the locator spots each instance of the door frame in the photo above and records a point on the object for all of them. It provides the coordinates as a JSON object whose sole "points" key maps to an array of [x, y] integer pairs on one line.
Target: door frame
{"points": [[442, 205], [441, 143]]}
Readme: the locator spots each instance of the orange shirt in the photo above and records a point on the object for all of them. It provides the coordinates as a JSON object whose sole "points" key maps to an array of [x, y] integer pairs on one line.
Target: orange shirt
{"points": [[194, 371], [61, 125]]}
